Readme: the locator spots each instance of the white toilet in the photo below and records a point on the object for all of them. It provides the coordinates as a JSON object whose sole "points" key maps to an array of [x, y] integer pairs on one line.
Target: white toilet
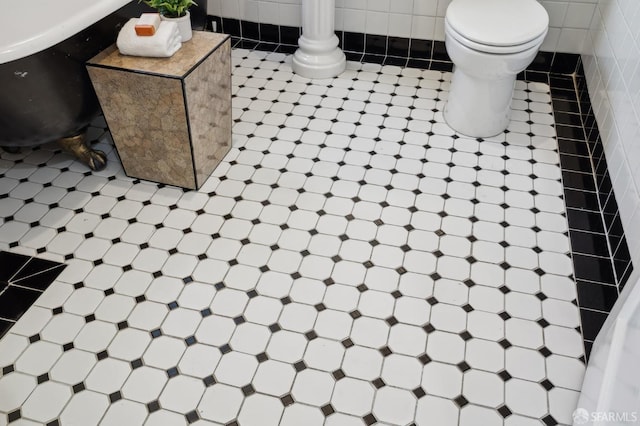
{"points": [[489, 43]]}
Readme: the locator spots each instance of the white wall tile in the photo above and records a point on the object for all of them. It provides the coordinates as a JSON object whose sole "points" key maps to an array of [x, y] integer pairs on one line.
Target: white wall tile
{"points": [[268, 12], [557, 11], [378, 5], [230, 9], [249, 8], [568, 19], [400, 25], [339, 20], [214, 7], [579, 15], [291, 15], [442, 7], [550, 42], [354, 20], [401, 6], [439, 32], [423, 27], [571, 40], [611, 57], [425, 7], [377, 23]]}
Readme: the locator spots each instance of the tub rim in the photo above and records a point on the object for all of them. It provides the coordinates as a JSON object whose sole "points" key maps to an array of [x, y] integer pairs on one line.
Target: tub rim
{"points": [[48, 24]]}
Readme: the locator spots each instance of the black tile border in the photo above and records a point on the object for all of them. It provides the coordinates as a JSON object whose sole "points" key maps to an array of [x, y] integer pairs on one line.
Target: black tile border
{"points": [[387, 50], [22, 280]]}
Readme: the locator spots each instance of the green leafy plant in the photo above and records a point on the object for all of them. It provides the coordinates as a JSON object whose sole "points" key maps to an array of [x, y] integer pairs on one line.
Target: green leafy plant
{"points": [[170, 8]]}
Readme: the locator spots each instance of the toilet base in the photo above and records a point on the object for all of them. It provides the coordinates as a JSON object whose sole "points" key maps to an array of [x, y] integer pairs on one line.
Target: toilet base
{"points": [[478, 107]]}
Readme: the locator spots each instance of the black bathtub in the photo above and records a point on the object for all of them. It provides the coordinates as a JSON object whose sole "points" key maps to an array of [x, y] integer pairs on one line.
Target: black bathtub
{"points": [[47, 96]]}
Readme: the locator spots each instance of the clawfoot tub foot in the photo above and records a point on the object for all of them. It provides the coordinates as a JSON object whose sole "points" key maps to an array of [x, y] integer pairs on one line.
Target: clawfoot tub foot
{"points": [[77, 145]]}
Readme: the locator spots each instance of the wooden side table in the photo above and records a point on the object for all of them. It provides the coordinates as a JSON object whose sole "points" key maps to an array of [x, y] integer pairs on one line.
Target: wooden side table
{"points": [[170, 118]]}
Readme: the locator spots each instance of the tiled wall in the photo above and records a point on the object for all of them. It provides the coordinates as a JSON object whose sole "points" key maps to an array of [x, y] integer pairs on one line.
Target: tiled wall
{"points": [[612, 68], [416, 19]]}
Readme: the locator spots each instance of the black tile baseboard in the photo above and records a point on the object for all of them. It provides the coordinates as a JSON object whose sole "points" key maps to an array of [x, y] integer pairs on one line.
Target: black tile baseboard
{"points": [[387, 50], [600, 255], [22, 280]]}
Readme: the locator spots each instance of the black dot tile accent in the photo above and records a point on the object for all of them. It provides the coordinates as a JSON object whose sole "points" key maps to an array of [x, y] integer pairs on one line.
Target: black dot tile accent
{"points": [[248, 390], [545, 351], [78, 387], [275, 327], [43, 378], [209, 381], [370, 419], [460, 401], [543, 323], [504, 375], [504, 411], [391, 321], [463, 366], [338, 374], [288, 400], [547, 384], [419, 392], [505, 343], [14, 415], [192, 416], [378, 383], [153, 406], [385, 351]]}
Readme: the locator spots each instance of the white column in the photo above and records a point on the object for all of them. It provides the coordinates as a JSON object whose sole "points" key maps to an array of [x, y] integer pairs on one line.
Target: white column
{"points": [[318, 55]]}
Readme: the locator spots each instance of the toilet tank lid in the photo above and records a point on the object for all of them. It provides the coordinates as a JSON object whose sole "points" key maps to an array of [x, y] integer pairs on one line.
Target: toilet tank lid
{"points": [[498, 22]]}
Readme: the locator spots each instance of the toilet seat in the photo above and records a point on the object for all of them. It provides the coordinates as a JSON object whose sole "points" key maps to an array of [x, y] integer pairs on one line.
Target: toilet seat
{"points": [[497, 50], [497, 26]]}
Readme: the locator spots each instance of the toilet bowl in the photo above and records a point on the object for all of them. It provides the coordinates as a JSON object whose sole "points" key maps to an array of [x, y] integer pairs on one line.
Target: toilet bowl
{"points": [[489, 43]]}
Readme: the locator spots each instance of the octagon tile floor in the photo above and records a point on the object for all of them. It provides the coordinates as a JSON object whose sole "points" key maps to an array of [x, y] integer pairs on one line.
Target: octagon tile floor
{"points": [[351, 261]]}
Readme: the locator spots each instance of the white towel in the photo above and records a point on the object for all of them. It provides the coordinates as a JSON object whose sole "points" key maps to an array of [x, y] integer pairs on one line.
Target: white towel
{"points": [[163, 44]]}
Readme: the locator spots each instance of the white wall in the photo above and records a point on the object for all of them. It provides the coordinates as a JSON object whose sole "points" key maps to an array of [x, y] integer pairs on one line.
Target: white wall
{"points": [[612, 66], [422, 19]]}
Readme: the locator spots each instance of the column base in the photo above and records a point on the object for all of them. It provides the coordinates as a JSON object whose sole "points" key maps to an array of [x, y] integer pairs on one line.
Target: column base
{"points": [[318, 59]]}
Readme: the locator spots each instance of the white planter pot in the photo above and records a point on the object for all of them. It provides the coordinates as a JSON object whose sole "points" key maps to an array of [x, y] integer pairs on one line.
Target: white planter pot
{"points": [[184, 25]]}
